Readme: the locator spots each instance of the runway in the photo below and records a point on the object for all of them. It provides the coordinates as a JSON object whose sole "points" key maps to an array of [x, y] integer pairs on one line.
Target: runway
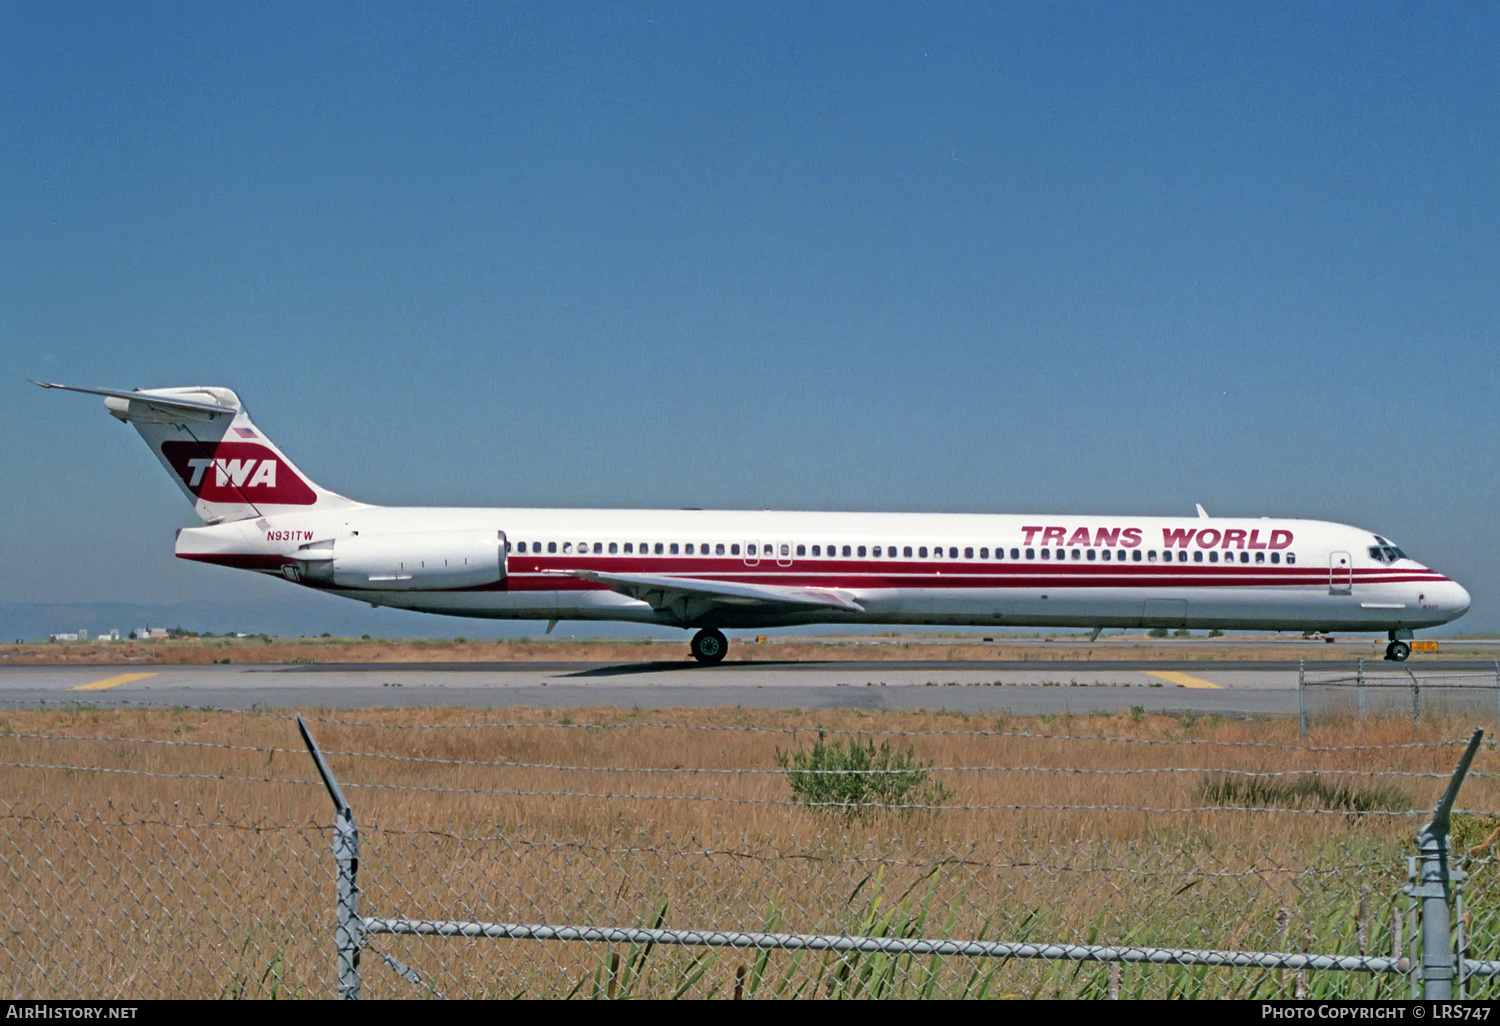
{"points": [[1250, 688]]}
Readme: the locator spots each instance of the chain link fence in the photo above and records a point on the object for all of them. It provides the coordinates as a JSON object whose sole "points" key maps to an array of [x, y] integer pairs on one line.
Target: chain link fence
{"points": [[1378, 691], [525, 854]]}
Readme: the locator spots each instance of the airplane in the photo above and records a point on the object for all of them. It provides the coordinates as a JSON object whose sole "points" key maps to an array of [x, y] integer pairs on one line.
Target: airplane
{"points": [[708, 570]]}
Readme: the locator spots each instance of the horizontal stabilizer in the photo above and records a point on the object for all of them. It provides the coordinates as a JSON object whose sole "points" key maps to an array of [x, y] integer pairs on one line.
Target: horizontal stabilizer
{"points": [[144, 402]]}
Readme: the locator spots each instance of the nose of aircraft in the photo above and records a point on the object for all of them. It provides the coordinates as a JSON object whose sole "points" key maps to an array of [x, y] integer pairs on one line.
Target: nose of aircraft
{"points": [[1452, 598]]}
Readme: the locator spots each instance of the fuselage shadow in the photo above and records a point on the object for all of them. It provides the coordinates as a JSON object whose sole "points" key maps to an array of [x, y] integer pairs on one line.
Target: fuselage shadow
{"points": [[663, 666]]}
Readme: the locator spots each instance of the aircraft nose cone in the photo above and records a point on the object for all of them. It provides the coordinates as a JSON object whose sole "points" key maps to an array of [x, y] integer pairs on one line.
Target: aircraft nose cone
{"points": [[1456, 600], [1448, 598]]}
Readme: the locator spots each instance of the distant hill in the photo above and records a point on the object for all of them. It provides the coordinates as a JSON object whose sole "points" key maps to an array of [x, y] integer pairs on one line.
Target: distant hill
{"points": [[300, 613]]}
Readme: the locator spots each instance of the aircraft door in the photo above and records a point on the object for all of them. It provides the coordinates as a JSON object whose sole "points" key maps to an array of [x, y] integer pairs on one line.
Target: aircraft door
{"points": [[752, 553], [1340, 573], [504, 553], [783, 553]]}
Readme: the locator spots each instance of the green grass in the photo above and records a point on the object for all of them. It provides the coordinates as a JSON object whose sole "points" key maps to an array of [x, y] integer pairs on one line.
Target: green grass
{"points": [[1309, 792], [855, 776]]}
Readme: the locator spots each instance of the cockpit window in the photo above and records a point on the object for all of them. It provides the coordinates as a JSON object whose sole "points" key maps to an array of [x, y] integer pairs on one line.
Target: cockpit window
{"points": [[1386, 553]]}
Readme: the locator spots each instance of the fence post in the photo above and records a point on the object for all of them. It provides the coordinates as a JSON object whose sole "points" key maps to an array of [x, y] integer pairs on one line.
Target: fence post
{"points": [[1460, 942], [1497, 689], [1359, 687], [1431, 886], [348, 931], [1302, 698]]}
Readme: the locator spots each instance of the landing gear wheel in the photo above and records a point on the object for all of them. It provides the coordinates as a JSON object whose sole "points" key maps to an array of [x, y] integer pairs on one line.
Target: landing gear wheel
{"points": [[1397, 651], [710, 646]]}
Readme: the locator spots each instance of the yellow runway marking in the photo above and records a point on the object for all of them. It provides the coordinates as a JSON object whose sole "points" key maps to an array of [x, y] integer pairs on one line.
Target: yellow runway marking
{"points": [[1186, 680], [112, 682]]}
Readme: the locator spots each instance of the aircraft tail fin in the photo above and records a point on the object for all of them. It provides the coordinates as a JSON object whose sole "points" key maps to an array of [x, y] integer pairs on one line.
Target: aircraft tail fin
{"points": [[217, 456]]}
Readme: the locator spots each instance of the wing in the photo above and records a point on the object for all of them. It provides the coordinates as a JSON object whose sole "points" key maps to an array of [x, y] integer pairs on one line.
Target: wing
{"points": [[688, 598]]}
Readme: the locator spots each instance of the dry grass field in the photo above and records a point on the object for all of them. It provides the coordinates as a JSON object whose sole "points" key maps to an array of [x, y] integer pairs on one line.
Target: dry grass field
{"points": [[186, 853], [1137, 646]]}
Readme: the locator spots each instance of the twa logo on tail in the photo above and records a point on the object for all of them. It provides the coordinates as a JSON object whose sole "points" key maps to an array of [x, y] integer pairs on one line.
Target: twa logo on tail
{"points": [[237, 472]]}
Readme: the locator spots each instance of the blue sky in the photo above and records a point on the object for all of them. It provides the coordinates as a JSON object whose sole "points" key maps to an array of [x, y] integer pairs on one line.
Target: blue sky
{"points": [[1001, 258]]}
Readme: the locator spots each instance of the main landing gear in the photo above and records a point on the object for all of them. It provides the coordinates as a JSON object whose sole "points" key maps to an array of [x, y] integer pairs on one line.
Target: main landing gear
{"points": [[1399, 648], [710, 646]]}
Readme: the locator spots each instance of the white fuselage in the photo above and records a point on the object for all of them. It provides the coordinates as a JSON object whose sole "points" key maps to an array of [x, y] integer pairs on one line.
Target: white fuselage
{"points": [[900, 568]]}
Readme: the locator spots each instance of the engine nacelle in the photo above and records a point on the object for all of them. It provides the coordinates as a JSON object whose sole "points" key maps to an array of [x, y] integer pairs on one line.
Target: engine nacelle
{"points": [[417, 561]]}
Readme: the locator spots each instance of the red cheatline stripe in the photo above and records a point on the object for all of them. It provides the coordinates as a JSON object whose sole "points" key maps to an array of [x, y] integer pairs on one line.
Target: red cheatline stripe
{"points": [[903, 574]]}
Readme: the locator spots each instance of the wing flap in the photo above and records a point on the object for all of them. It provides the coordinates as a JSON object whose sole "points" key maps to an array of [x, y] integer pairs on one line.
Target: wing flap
{"points": [[661, 591]]}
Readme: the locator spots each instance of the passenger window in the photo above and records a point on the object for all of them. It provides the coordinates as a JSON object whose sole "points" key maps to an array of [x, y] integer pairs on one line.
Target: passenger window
{"points": [[1091, 554], [861, 550], [984, 553], [875, 552], [1135, 556], [1104, 555], [749, 550], [552, 546], [1213, 557], [801, 550], [734, 550], [1151, 556], [688, 548], [1046, 553], [969, 552], [1276, 557], [1198, 556], [674, 548], [567, 546], [613, 548], [520, 546], [906, 552], [719, 549], [629, 548], [1077, 553], [846, 550], [1244, 557], [599, 548], [1260, 557], [1016, 553], [1291, 558], [952, 552], [817, 550], [786, 550], [658, 548], [937, 552], [1030, 553], [922, 552]]}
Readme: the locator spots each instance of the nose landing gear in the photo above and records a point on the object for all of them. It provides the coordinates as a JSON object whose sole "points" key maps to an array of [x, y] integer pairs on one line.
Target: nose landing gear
{"points": [[1397, 651], [710, 646]]}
